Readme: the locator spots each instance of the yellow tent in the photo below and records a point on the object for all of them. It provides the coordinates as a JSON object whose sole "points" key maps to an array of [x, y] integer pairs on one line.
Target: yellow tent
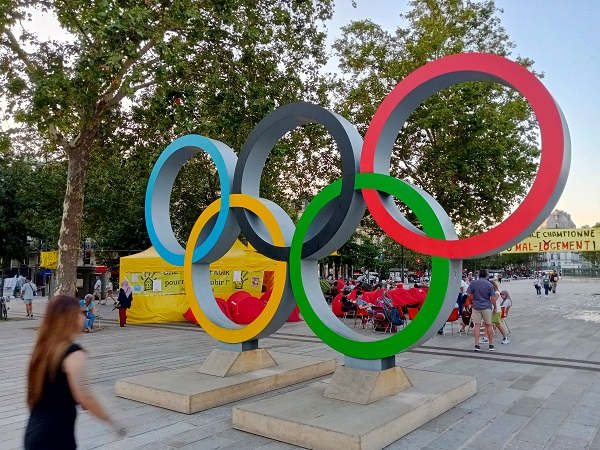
{"points": [[158, 288]]}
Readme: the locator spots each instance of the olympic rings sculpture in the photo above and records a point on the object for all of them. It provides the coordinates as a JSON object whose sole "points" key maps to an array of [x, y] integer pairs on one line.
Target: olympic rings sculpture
{"points": [[336, 211]]}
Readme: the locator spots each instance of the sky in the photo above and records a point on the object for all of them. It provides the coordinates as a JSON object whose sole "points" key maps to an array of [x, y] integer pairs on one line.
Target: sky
{"points": [[563, 39]]}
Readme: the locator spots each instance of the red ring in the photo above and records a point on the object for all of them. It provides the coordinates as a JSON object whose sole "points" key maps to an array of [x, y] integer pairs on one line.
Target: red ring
{"points": [[552, 138]]}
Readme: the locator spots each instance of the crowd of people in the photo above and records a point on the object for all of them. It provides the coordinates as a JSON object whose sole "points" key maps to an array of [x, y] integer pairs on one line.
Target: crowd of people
{"points": [[547, 281], [480, 304]]}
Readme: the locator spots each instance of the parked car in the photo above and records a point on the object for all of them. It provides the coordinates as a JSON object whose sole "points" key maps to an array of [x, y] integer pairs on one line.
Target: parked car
{"points": [[373, 278]]}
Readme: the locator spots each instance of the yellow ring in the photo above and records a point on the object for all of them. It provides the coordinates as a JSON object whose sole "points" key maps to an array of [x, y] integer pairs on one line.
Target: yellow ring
{"points": [[237, 333]]}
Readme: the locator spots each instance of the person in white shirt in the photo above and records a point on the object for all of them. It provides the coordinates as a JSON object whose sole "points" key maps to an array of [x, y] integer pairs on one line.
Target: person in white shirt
{"points": [[98, 288], [537, 283], [109, 293], [27, 293], [462, 296], [497, 312]]}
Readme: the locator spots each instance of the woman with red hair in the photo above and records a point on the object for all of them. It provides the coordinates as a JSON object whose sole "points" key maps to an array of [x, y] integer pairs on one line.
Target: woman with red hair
{"points": [[55, 379]]}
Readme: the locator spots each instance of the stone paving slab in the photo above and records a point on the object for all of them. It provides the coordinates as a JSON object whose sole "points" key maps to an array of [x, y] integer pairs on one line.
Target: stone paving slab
{"points": [[563, 327]]}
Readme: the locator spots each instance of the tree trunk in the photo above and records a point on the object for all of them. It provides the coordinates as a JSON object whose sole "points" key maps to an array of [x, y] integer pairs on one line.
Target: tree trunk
{"points": [[69, 241]]}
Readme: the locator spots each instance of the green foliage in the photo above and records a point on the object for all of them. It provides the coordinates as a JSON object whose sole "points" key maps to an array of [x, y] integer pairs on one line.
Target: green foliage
{"points": [[592, 257], [472, 146], [214, 68], [508, 261], [42, 187], [13, 231], [394, 256], [360, 252], [114, 210]]}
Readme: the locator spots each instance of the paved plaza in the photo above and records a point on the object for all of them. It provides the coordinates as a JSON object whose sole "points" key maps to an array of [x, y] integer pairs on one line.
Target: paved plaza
{"points": [[540, 391]]}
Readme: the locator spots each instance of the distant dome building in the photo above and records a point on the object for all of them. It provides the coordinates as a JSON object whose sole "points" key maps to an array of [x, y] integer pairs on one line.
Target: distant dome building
{"points": [[559, 219], [561, 260]]}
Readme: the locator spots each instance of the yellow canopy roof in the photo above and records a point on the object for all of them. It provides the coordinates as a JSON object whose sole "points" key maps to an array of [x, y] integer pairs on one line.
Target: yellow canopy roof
{"points": [[239, 257]]}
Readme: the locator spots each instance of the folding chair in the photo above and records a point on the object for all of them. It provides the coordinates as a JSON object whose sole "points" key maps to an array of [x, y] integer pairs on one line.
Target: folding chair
{"points": [[98, 314], [412, 313], [452, 319], [365, 318], [381, 320], [402, 316], [349, 315]]}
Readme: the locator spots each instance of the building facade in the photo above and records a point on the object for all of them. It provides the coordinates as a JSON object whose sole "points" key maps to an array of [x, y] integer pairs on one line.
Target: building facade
{"points": [[561, 260]]}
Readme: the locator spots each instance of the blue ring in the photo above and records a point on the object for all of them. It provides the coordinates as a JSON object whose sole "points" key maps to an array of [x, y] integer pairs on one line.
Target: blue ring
{"points": [[161, 180]]}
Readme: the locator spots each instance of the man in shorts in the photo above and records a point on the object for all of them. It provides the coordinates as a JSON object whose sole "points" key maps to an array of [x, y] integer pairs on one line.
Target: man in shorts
{"points": [[27, 294], [484, 299]]}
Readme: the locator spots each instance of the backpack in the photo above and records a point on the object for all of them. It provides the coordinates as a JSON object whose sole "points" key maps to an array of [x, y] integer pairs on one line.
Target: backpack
{"points": [[395, 317]]}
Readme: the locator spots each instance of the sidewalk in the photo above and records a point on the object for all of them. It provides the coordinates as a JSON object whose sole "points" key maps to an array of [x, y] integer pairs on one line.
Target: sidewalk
{"points": [[540, 391]]}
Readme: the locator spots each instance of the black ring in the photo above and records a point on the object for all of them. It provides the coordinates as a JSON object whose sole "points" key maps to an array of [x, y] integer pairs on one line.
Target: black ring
{"points": [[348, 207]]}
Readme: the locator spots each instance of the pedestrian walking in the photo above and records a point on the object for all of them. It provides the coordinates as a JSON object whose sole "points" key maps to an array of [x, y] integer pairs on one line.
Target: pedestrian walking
{"points": [[109, 293], [55, 383], [19, 281], [98, 289], [554, 281], [27, 293], [537, 283], [124, 301], [546, 284]]}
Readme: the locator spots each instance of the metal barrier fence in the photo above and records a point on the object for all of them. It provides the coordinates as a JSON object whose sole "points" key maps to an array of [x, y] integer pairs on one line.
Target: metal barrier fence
{"points": [[593, 272]]}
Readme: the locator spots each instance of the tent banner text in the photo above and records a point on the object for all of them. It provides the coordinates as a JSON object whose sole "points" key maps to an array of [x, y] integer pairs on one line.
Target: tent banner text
{"points": [[222, 281], [559, 240]]}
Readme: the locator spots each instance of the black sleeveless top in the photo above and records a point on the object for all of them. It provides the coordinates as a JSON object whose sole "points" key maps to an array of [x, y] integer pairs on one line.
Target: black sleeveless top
{"points": [[51, 424]]}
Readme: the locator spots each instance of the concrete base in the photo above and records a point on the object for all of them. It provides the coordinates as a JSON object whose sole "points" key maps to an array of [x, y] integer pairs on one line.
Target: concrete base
{"points": [[187, 391], [225, 363], [366, 386], [308, 419]]}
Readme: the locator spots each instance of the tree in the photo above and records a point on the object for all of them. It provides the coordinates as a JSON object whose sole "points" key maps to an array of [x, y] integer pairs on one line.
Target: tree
{"points": [[13, 231], [360, 252], [395, 256], [72, 91], [507, 261], [592, 257], [472, 146], [41, 187]]}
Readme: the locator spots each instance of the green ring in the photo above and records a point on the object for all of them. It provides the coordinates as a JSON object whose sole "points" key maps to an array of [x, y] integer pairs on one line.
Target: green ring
{"points": [[363, 347]]}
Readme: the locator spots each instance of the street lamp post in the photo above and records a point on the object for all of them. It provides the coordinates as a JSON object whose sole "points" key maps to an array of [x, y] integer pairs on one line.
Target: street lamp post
{"points": [[402, 267]]}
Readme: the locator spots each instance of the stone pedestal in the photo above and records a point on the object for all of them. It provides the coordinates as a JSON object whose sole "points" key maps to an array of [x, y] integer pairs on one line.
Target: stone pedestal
{"points": [[188, 391], [307, 418], [224, 363], [366, 386]]}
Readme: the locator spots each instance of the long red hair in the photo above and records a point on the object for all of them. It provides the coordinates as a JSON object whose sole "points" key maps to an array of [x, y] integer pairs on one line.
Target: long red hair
{"points": [[58, 328]]}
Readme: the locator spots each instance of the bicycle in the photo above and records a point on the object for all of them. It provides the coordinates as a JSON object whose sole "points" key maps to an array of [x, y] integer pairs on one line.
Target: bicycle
{"points": [[3, 308]]}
